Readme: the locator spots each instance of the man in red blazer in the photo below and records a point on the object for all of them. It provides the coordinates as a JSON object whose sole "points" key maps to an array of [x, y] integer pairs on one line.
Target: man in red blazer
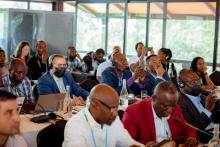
{"points": [[155, 118]]}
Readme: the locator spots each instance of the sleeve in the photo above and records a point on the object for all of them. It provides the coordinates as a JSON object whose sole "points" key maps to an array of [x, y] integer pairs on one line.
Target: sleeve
{"points": [[130, 123], [188, 131], [201, 122], [76, 89], [124, 139], [107, 79], [43, 86]]}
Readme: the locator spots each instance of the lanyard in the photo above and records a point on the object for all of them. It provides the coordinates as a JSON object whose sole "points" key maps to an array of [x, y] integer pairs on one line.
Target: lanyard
{"points": [[93, 135]]}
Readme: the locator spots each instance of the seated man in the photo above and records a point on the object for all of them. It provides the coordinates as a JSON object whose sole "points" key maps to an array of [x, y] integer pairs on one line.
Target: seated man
{"points": [[196, 108], [99, 124], [56, 80], [73, 59], [154, 119], [113, 76], [16, 82], [9, 122], [155, 73], [106, 64], [37, 64]]}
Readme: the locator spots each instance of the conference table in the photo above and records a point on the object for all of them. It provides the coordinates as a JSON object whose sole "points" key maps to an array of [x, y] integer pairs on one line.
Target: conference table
{"points": [[30, 130]]}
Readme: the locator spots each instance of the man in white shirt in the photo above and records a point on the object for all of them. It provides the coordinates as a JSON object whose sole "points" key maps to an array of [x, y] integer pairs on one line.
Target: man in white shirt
{"points": [[9, 122], [98, 125]]}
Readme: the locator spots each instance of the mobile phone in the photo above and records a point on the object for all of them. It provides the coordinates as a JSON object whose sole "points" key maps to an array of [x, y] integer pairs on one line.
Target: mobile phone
{"points": [[149, 49]]}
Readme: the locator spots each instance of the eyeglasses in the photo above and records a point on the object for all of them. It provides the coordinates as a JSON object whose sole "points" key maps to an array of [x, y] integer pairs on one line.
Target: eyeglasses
{"points": [[111, 109], [193, 82]]}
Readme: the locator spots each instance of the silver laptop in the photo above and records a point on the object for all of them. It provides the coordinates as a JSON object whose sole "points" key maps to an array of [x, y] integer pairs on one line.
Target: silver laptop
{"points": [[50, 102]]}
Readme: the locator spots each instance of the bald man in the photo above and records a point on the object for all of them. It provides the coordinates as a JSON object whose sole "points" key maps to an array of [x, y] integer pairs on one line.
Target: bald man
{"points": [[98, 125], [154, 119], [16, 81]]}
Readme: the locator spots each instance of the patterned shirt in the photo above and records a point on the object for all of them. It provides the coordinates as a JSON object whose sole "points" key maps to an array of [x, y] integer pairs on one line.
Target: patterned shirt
{"points": [[73, 64], [22, 89]]}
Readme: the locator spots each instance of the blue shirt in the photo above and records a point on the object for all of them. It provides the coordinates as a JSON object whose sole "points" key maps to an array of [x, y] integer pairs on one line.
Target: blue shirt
{"points": [[22, 89], [196, 100]]}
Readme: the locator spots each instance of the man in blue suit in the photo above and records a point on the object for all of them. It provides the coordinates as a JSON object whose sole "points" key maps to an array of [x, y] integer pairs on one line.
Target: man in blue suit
{"points": [[56, 80], [113, 76], [154, 74]]}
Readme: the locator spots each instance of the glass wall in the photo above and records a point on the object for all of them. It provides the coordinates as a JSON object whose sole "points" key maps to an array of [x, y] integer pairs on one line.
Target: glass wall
{"points": [[136, 27], [91, 27], [156, 26], [41, 6], [190, 30], [69, 6], [13, 4], [115, 26]]}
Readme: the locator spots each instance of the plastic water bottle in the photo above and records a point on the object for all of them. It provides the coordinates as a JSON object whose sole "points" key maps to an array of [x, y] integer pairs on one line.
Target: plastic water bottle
{"points": [[124, 95], [67, 105]]}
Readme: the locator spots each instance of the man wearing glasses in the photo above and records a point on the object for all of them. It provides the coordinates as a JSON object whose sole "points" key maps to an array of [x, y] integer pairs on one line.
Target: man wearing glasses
{"points": [[56, 80], [99, 124], [16, 81], [197, 108]]}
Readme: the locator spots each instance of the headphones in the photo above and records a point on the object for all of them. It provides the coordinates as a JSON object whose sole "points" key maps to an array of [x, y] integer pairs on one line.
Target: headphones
{"points": [[50, 60], [181, 84]]}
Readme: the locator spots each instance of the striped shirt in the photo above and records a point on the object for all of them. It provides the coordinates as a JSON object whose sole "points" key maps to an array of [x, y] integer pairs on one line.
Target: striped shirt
{"points": [[22, 89]]}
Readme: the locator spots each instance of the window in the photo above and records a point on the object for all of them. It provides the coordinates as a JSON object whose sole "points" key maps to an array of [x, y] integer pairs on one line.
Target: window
{"points": [[69, 7], [136, 28], [116, 26], [91, 27], [13, 4], [41, 6], [194, 25], [156, 26]]}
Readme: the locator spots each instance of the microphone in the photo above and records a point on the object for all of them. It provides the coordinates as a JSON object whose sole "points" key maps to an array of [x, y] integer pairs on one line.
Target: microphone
{"points": [[45, 118], [191, 126]]}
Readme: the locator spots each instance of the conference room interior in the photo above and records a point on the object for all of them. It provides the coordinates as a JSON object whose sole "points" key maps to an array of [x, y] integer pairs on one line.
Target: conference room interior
{"points": [[159, 59]]}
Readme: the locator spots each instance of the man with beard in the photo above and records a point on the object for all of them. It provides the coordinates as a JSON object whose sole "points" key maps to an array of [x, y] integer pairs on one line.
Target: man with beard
{"points": [[16, 81], [74, 64], [99, 124], [37, 64], [56, 80], [196, 108], [10, 121]]}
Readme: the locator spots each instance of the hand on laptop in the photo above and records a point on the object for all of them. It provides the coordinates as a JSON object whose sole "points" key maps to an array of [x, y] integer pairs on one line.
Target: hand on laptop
{"points": [[76, 101]]}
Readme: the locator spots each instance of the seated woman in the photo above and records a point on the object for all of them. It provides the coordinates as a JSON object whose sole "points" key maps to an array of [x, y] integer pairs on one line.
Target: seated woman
{"points": [[23, 51], [198, 66], [165, 55]]}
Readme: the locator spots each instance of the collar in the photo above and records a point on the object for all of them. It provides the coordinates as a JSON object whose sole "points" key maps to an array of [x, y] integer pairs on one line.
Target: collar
{"points": [[193, 98], [91, 120], [155, 115]]}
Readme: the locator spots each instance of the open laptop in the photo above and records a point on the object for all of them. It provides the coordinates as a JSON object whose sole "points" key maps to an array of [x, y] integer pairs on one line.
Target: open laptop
{"points": [[50, 102]]}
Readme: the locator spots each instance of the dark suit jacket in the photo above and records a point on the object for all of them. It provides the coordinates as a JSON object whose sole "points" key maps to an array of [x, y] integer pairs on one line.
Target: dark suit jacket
{"points": [[150, 82], [109, 76], [138, 120], [193, 116], [35, 68], [47, 85]]}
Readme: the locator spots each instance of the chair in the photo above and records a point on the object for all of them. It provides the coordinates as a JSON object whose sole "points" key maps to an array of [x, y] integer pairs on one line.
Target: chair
{"points": [[35, 93], [88, 84], [215, 78], [52, 136]]}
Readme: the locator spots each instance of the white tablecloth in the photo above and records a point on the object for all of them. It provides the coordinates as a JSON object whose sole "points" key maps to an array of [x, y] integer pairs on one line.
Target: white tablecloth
{"points": [[29, 130]]}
